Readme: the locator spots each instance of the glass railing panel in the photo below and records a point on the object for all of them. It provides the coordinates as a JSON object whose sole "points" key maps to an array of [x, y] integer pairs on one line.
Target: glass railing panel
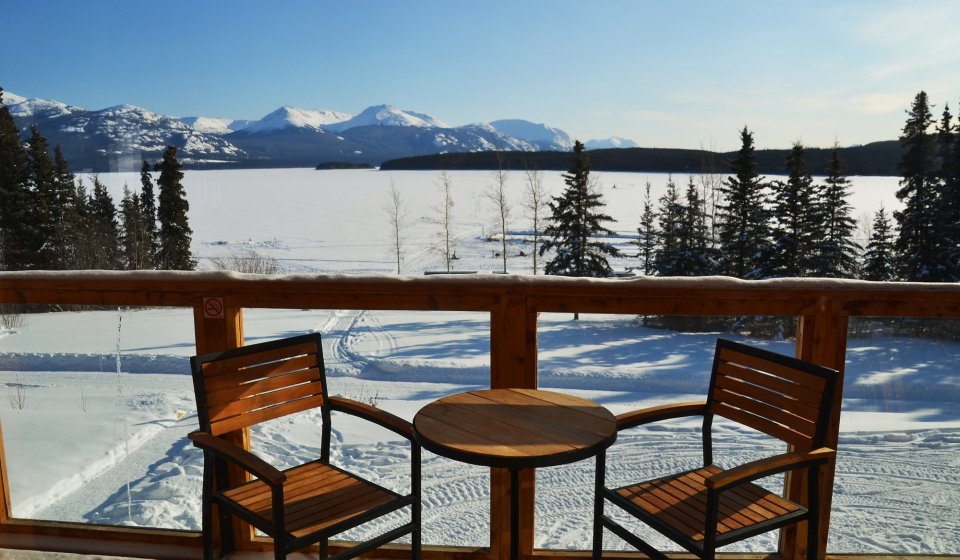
{"points": [[626, 362], [95, 410], [897, 482]]}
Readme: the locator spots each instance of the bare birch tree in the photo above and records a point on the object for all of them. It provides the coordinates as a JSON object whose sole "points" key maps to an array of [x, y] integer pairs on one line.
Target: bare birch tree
{"points": [[497, 195], [447, 241], [711, 181], [535, 203], [397, 217]]}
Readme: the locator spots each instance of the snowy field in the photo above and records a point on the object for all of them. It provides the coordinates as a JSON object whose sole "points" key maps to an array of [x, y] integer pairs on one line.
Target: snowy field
{"points": [[96, 405]]}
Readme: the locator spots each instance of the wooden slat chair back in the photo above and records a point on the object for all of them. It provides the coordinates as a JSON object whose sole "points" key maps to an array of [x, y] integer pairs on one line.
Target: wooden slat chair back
{"points": [[305, 504], [784, 398], [709, 507], [250, 388]]}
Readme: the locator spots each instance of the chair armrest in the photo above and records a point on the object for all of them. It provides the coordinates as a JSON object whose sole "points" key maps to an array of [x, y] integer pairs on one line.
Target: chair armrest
{"points": [[373, 414], [657, 413], [769, 466], [239, 456]]}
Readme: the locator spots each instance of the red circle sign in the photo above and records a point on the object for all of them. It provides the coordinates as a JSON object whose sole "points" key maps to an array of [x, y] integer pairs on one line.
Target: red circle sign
{"points": [[213, 308]]}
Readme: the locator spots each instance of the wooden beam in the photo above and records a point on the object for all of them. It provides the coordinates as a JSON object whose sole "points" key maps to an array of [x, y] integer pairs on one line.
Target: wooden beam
{"points": [[218, 325], [821, 339]]}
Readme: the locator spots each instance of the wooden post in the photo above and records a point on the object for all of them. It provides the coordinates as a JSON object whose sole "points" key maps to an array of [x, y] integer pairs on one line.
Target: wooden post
{"points": [[822, 339], [513, 364], [5, 510], [218, 326]]}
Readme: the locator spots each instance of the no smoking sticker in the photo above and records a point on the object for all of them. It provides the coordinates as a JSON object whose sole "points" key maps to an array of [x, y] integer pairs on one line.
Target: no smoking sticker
{"points": [[213, 308]]}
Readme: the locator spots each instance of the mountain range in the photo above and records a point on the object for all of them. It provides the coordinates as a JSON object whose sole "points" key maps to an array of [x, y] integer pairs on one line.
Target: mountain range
{"points": [[119, 138]]}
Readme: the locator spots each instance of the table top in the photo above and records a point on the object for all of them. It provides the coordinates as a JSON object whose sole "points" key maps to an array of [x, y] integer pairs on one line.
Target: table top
{"points": [[514, 428]]}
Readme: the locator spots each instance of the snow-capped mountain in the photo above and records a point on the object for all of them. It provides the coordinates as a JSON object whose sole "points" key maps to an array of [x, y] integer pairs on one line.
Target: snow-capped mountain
{"points": [[121, 137], [387, 115], [292, 117], [612, 142], [12, 98], [118, 137], [543, 137], [36, 108], [213, 125]]}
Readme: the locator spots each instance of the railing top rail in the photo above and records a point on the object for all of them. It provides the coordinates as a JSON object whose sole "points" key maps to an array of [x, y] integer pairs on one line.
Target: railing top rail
{"points": [[706, 295]]}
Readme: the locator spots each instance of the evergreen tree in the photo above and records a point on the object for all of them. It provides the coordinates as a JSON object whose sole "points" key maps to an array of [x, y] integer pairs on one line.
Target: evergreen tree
{"points": [[948, 204], [836, 254], [647, 238], [697, 255], [669, 256], [794, 218], [103, 229], [918, 243], [172, 214], [42, 195], [575, 223], [879, 259], [149, 202], [85, 249], [742, 229], [136, 239], [15, 201], [64, 210]]}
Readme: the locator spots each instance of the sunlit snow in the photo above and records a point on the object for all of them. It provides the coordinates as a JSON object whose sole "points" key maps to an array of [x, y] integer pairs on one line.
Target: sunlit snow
{"points": [[97, 403]]}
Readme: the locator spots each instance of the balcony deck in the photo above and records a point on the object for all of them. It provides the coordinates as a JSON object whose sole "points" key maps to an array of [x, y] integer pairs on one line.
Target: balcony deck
{"points": [[513, 304]]}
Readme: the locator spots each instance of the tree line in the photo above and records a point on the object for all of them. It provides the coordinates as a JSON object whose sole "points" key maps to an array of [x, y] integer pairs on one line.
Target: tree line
{"points": [[746, 226], [49, 220]]}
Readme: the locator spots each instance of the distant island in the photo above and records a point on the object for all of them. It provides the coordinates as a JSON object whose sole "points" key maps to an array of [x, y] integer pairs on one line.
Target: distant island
{"points": [[877, 158], [343, 165]]}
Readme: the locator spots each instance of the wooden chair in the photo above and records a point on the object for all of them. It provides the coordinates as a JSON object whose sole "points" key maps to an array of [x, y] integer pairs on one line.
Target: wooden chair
{"points": [[709, 507], [305, 504]]}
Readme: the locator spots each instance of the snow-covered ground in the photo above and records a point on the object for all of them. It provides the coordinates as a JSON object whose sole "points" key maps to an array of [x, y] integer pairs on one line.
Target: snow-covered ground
{"points": [[96, 405]]}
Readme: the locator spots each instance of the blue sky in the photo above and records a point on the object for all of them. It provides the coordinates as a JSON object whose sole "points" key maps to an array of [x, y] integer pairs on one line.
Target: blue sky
{"points": [[664, 73]]}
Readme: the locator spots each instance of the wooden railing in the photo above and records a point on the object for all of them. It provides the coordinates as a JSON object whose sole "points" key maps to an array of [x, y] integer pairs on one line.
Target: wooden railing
{"points": [[513, 303]]}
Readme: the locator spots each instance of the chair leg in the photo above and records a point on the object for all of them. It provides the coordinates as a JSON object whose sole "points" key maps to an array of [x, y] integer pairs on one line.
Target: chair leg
{"points": [[226, 532], [813, 519], [416, 545], [206, 524], [598, 506], [416, 510], [324, 549]]}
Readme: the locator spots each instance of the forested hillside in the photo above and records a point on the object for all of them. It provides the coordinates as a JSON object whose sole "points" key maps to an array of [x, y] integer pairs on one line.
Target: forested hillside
{"points": [[877, 158]]}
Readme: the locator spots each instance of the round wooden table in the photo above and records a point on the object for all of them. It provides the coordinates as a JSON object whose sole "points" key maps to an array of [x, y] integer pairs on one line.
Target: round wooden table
{"points": [[514, 429]]}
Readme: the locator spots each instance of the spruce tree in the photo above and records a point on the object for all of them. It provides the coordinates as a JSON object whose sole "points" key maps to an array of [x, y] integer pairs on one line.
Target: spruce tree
{"points": [[669, 256], [698, 257], [65, 213], [135, 238], [42, 196], [15, 200], [172, 212], [149, 202], [103, 229], [918, 243], [837, 252], [879, 258], [742, 228], [793, 218], [647, 235], [85, 249], [948, 205], [576, 222]]}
